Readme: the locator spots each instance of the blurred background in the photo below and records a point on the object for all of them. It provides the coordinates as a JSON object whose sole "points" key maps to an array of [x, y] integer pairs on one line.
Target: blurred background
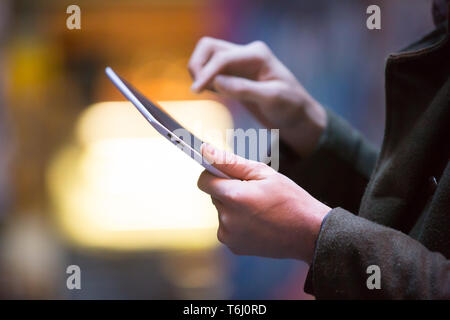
{"points": [[79, 179]]}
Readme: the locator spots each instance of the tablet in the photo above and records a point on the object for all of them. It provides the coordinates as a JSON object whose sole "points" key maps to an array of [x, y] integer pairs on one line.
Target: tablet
{"points": [[163, 123]]}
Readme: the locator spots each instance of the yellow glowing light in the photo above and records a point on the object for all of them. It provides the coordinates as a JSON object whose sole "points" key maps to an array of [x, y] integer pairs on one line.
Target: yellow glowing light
{"points": [[122, 185]]}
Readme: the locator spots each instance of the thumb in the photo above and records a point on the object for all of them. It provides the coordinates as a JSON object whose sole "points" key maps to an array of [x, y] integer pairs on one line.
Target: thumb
{"points": [[233, 165], [242, 88]]}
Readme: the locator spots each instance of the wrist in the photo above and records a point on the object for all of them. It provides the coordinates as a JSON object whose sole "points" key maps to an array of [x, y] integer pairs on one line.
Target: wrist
{"points": [[304, 134], [310, 230]]}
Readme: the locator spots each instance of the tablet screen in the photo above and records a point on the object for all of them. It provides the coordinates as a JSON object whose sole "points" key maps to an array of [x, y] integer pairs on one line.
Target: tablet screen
{"points": [[164, 124], [162, 117]]}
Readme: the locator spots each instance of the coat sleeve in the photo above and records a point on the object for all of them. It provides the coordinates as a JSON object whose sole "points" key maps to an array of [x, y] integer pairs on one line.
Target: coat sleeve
{"points": [[338, 171], [348, 245]]}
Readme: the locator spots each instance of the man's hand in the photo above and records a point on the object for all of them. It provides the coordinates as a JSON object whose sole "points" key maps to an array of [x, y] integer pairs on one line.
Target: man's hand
{"points": [[254, 76], [261, 212]]}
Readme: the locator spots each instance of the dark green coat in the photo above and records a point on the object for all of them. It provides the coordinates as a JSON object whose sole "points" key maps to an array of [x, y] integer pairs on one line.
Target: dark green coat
{"points": [[392, 208]]}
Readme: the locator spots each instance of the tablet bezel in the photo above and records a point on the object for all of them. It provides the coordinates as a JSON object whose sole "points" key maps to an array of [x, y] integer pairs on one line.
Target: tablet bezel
{"points": [[140, 102]]}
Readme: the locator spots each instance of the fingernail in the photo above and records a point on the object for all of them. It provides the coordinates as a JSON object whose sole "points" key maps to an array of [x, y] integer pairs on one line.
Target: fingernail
{"points": [[194, 87]]}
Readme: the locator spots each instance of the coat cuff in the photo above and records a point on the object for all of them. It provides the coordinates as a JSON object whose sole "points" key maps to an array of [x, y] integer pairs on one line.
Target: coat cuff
{"points": [[348, 245], [329, 273], [338, 171], [322, 271]]}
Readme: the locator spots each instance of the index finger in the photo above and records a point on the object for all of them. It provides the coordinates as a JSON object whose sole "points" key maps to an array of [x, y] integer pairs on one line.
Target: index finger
{"points": [[203, 51], [218, 188]]}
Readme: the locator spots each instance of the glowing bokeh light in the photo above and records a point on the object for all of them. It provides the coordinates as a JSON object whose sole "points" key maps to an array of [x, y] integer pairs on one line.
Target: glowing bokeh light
{"points": [[122, 185]]}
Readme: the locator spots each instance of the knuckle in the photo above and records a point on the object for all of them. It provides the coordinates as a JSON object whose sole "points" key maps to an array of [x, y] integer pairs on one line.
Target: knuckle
{"points": [[221, 235], [201, 181], [259, 170], [269, 171], [275, 94], [259, 44], [204, 40], [232, 195], [277, 88], [261, 167], [223, 219], [261, 48], [231, 160], [229, 195]]}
